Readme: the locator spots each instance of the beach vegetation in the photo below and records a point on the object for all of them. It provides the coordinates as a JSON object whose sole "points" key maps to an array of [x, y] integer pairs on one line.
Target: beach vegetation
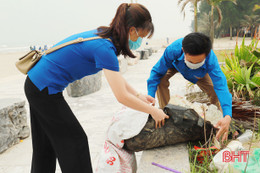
{"points": [[238, 19], [215, 4], [183, 4], [242, 70]]}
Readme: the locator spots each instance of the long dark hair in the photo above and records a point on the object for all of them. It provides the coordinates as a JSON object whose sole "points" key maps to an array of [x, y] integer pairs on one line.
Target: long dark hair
{"points": [[127, 16]]}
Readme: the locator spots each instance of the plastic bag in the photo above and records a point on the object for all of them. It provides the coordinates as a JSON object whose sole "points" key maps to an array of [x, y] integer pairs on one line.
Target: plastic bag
{"points": [[253, 163], [183, 125], [245, 137], [218, 161]]}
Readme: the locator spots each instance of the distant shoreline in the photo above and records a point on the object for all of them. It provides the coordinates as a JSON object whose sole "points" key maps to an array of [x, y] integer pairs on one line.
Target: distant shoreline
{"points": [[220, 43], [8, 59]]}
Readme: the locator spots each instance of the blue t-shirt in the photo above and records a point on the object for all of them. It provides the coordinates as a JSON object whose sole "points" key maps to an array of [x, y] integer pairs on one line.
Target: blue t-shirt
{"points": [[56, 70], [173, 57]]}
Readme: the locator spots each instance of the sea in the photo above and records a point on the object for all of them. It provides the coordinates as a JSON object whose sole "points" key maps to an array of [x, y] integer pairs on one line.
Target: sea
{"points": [[23, 48]]}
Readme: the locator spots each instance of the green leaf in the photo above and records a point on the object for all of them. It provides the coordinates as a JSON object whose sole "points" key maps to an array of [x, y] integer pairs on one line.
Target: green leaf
{"points": [[256, 53], [256, 79]]}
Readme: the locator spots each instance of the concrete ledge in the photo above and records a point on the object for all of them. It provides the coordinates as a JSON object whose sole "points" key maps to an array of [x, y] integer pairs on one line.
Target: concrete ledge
{"points": [[150, 51], [85, 86], [13, 122], [175, 157], [144, 54]]}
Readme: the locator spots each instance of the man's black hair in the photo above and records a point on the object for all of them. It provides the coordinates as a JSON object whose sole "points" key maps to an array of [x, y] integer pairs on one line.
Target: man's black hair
{"points": [[196, 43]]}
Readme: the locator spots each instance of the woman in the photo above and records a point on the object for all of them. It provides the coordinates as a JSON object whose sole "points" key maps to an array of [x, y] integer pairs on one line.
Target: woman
{"points": [[56, 133]]}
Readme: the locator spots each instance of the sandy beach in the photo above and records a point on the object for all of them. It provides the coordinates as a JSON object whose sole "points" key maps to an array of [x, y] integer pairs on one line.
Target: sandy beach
{"points": [[93, 111], [7, 65]]}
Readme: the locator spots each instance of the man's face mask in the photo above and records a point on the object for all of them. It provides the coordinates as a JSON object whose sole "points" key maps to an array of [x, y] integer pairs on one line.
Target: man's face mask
{"points": [[194, 66], [135, 44]]}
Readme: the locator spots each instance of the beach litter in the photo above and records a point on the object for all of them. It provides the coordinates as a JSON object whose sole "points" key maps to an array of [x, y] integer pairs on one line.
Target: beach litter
{"points": [[218, 160], [253, 165], [184, 124], [203, 152]]}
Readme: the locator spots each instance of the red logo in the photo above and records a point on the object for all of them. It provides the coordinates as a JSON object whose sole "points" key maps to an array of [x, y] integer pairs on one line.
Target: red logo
{"points": [[231, 156], [111, 160]]}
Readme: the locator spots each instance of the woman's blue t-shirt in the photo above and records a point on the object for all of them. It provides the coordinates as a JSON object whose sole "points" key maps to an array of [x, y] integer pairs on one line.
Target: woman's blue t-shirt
{"points": [[56, 70]]}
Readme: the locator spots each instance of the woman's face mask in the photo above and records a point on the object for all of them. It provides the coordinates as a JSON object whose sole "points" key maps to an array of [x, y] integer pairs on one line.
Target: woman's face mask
{"points": [[135, 44], [194, 66]]}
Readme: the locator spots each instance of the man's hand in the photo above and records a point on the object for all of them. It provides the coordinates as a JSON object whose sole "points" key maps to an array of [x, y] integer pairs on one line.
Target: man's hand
{"points": [[223, 126], [147, 99]]}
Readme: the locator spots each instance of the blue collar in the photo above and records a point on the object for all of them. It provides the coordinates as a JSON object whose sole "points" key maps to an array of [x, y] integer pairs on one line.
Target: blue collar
{"points": [[181, 57]]}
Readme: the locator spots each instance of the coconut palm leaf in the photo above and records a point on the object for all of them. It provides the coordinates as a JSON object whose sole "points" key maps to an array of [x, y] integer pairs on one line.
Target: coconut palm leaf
{"points": [[194, 3], [215, 4]]}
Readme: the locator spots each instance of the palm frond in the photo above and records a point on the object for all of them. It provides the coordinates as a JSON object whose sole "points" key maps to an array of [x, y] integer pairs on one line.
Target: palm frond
{"points": [[184, 4], [180, 1]]}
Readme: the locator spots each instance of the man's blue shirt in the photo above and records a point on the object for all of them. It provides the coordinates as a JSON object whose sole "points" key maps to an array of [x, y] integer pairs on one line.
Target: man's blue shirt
{"points": [[56, 70], [173, 57]]}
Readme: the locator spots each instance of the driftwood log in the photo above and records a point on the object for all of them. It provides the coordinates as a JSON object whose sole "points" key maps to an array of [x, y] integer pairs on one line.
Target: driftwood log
{"points": [[183, 125]]}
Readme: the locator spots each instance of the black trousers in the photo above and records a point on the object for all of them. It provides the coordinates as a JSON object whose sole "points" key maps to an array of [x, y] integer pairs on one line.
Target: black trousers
{"points": [[56, 133]]}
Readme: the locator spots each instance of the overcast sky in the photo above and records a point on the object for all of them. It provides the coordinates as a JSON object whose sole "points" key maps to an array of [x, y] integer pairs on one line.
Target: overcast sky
{"points": [[26, 22]]}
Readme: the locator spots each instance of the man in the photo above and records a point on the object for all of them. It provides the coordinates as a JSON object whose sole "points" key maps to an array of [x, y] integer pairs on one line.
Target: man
{"points": [[193, 58]]}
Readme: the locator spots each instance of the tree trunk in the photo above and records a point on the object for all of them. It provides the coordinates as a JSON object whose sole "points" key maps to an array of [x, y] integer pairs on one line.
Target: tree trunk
{"points": [[195, 16], [230, 32], [212, 24], [257, 31], [252, 33], [258, 35]]}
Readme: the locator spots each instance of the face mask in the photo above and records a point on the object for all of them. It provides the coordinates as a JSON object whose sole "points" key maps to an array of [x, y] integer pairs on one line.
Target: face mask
{"points": [[135, 44], [194, 66]]}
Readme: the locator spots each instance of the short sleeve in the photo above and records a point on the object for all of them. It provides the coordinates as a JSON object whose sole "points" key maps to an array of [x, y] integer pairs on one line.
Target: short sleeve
{"points": [[105, 57]]}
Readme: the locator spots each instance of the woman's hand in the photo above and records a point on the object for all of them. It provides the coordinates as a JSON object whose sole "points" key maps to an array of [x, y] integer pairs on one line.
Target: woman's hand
{"points": [[159, 117], [146, 98], [125, 95]]}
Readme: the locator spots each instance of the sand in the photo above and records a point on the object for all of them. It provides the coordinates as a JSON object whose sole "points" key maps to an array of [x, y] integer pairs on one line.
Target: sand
{"points": [[93, 111], [7, 65]]}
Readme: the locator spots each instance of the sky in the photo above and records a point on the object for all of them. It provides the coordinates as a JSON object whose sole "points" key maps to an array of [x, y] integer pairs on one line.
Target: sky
{"points": [[30, 22]]}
